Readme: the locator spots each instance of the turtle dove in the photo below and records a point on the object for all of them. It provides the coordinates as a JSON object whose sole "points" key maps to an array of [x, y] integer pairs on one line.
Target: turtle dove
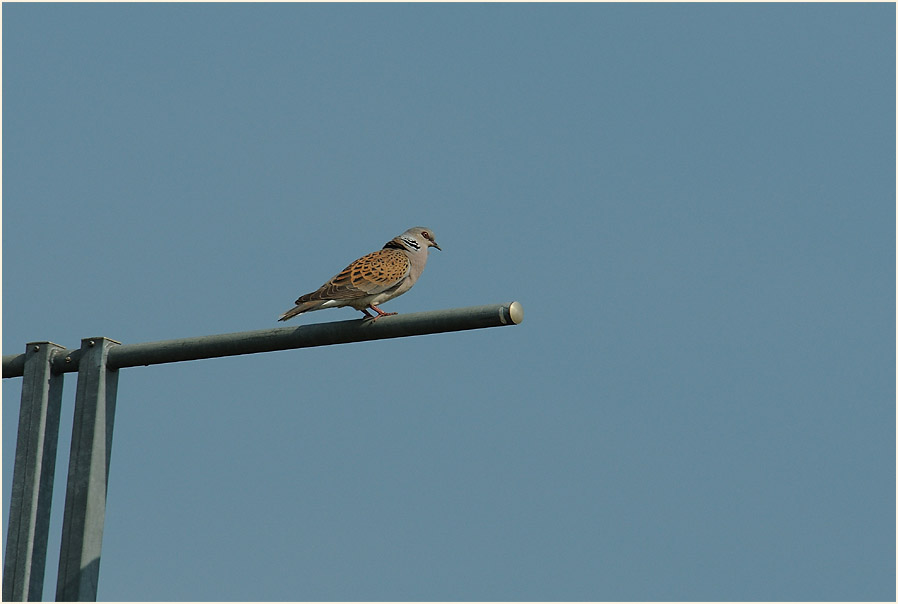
{"points": [[373, 279]]}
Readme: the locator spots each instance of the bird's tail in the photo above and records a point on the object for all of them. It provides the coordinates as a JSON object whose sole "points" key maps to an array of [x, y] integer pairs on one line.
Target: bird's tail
{"points": [[299, 309]]}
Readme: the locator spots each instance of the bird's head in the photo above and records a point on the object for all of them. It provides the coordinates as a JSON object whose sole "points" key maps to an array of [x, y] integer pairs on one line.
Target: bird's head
{"points": [[419, 238]]}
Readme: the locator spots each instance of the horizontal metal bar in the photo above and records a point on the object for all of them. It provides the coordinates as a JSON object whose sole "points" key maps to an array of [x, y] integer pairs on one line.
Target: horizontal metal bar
{"points": [[287, 338], [13, 365]]}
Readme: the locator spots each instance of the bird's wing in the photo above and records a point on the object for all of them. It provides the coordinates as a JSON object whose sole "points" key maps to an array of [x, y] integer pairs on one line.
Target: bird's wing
{"points": [[369, 275]]}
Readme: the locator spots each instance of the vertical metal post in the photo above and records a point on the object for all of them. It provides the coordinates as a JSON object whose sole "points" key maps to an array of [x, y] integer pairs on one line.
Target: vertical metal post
{"points": [[32, 482], [85, 499]]}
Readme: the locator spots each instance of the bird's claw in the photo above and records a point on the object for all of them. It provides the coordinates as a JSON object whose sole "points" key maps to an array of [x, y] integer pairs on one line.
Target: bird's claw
{"points": [[380, 313]]}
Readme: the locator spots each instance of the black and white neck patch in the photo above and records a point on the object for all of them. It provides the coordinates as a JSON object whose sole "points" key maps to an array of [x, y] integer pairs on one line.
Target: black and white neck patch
{"points": [[411, 243]]}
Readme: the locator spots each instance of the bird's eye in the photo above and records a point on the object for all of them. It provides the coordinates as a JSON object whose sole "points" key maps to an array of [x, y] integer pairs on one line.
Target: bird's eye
{"points": [[426, 234]]}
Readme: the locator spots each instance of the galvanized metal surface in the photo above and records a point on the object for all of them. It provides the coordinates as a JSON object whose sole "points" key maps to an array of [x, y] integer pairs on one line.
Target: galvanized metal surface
{"points": [[97, 363], [32, 483], [13, 365], [85, 499], [286, 338]]}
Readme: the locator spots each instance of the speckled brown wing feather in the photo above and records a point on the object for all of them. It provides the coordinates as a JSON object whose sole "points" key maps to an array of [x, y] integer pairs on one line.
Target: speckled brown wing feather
{"points": [[369, 275]]}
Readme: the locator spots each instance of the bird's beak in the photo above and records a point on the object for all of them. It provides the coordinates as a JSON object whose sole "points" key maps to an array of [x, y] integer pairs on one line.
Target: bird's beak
{"points": [[434, 244]]}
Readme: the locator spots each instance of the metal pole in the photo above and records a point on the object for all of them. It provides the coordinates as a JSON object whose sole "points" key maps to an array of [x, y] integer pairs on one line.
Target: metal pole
{"points": [[318, 334], [85, 500], [13, 365], [97, 363], [286, 338], [32, 482]]}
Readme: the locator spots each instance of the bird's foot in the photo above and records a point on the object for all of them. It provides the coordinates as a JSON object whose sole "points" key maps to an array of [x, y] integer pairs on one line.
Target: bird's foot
{"points": [[380, 313]]}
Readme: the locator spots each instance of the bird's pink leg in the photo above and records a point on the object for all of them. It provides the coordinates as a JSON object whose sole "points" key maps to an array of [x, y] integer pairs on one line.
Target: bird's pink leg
{"points": [[380, 313]]}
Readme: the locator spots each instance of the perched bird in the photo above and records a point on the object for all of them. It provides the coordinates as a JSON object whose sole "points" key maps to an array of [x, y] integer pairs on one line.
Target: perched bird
{"points": [[373, 279]]}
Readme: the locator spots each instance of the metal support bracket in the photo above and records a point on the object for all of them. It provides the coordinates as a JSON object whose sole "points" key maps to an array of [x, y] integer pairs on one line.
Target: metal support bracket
{"points": [[35, 465], [85, 500]]}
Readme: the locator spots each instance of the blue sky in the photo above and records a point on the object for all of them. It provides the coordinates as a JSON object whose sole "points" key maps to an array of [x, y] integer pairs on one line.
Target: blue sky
{"points": [[695, 205]]}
